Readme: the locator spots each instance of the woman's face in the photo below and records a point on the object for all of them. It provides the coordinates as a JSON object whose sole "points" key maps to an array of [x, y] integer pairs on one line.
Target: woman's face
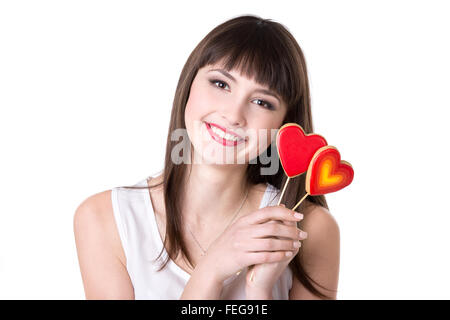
{"points": [[219, 101]]}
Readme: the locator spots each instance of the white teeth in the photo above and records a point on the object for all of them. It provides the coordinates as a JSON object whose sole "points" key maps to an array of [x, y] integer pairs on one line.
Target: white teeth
{"points": [[224, 135]]}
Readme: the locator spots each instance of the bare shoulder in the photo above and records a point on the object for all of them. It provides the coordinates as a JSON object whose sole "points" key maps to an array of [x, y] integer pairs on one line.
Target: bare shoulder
{"points": [[96, 212], [320, 252], [93, 212], [100, 253], [319, 221], [100, 203]]}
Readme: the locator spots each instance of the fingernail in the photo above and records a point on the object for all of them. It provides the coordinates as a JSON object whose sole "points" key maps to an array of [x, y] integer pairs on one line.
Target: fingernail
{"points": [[303, 235], [298, 215], [296, 244], [288, 253]]}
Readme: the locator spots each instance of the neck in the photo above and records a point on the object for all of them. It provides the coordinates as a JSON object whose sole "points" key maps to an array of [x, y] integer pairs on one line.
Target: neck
{"points": [[213, 193]]}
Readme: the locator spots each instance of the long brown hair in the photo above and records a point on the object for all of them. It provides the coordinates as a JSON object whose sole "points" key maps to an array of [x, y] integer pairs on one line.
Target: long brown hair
{"points": [[258, 48]]}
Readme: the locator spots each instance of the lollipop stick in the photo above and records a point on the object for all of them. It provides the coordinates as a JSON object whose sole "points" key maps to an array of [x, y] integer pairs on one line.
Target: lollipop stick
{"points": [[307, 194], [284, 189]]}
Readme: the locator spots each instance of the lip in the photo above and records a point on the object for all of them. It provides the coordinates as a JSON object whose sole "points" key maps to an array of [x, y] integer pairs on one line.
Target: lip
{"points": [[220, 139], [225, 130]]}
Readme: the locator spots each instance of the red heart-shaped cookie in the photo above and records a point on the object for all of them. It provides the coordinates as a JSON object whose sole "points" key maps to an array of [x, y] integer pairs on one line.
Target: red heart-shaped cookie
{"points": [[296, 149], [327, 173]]}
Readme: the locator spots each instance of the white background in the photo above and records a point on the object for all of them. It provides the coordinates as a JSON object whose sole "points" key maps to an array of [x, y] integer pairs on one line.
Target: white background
{"points": [[86, 90]]}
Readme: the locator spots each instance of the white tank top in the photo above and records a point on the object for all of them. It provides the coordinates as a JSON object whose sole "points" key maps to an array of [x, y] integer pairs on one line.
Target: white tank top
{"points": [[141, 241]]}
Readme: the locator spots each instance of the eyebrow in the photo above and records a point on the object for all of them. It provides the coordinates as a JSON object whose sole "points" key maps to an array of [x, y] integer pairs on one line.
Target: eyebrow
{"points": [[229, 76]]}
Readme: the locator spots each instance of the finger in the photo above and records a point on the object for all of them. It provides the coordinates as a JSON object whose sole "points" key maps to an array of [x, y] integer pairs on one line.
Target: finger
{"points": [[278, 221], [273, 213], [303, 235], [268, 257], [271, 244], [287, 223], [274, 230], [283, 221]]}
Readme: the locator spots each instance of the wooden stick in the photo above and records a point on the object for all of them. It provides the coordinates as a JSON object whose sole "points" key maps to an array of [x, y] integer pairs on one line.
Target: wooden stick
{"points": [[307, 194], [284, 189]]}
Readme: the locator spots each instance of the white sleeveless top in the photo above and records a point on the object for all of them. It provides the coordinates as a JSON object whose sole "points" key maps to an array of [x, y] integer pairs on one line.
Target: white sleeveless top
{"points": [[141, 242]]}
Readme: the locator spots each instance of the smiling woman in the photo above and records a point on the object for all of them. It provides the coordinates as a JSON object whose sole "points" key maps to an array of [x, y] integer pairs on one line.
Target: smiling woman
{"points": [[214, 220], [240, 114]]}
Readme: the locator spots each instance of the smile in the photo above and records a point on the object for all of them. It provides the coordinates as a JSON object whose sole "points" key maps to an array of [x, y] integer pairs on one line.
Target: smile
{"points": [[221, 137]]}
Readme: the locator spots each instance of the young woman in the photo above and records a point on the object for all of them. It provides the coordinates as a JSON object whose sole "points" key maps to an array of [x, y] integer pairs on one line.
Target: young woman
{"points": [[218, 222]]}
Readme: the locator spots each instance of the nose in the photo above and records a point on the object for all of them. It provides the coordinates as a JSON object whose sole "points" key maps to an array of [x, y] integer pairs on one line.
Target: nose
{"points": [[233, 114]]}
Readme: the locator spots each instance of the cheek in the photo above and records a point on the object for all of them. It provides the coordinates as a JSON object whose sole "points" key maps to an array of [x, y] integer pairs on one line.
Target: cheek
{"points": [[198, 104], [267, 133], [267, 127]]}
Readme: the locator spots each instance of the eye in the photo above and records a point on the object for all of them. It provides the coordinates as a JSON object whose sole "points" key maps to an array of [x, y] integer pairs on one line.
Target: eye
{"points": [[262, 102], [214, 81], [269, 106]]}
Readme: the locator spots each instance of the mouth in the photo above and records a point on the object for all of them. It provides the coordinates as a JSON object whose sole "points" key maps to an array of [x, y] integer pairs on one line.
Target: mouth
{"points": [[224, 137]]}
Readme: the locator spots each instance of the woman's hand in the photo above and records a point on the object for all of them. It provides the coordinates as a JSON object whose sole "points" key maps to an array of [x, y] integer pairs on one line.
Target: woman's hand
{"points": [[252, 240], [261, 278]]}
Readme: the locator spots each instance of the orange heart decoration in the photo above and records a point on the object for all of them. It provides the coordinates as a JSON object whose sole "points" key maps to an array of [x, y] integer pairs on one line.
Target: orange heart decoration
{"points": [[327, 173]]}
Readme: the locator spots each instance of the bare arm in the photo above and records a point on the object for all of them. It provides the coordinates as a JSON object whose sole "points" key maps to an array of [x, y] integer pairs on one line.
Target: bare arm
{"points": [[100, 254], [321, 251], [203, 285]]}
